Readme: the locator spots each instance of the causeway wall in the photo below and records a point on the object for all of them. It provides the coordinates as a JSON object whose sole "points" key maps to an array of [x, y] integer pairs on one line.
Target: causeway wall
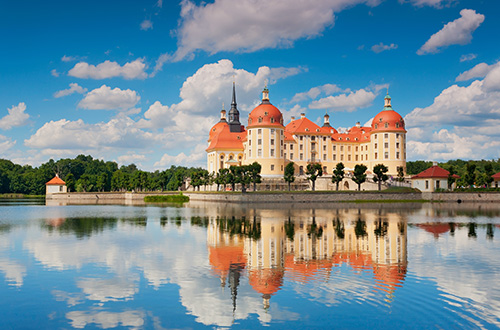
{"points": [[276, 197]]}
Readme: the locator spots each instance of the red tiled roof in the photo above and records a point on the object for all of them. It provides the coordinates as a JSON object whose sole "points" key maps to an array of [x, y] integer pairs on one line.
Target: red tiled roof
{"points": [[496, 176], [56, 181], [227, 140], [391, 118], [433, 172], [304, 126], [267, 114]]}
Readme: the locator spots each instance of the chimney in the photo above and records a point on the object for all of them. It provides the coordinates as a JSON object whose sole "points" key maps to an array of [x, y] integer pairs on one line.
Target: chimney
{"points": [[302, 115]]}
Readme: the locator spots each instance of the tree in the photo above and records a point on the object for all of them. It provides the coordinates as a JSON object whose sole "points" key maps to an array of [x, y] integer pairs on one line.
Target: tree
{"points": [[401, 173], [338, 175], [255, 177], [196, 179], [232, 177], [289, 175], [313, 171], [488, 168], [470, 176], [451, 179], [359, 175], [243, 176], [379, 170]]}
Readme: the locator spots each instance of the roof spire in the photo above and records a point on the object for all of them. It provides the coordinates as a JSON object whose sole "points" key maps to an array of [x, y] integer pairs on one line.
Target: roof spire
{"points": [[233, 103], [387, 99], [234, 114]]}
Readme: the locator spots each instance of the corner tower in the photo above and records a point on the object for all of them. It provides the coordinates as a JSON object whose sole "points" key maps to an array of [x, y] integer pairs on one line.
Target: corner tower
{"points": [[265, 138], [388, 139]]}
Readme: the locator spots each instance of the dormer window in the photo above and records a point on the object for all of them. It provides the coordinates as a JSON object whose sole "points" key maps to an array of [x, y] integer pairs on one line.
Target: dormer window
{"points": [[376, 126], [281, 121], [397, 125], [260, 119], [250, 121], [307, 129], [386, 125], [317, 129], [380, 119], [266, 113], [272, 120], [356, 139]]}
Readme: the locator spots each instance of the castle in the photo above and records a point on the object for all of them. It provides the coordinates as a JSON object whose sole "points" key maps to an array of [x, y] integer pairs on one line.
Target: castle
{"points": [[273, 145]]}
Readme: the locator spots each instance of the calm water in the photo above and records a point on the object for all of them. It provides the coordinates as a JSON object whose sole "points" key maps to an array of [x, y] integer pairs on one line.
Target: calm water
{"points": [[227, 266]]}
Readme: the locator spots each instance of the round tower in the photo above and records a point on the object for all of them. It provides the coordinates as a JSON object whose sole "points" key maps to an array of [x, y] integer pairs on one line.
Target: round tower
{"points": [[266, 137], [388, 139]]}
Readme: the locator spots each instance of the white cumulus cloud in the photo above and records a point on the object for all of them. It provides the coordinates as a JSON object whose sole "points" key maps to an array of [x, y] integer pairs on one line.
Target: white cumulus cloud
{"points": [[250, 25], [478, 71], [462, 122], [105, 98], [381, 47], [314, 92], [108, 69], [73, 88], [5, 144], [146, 25], [458, 32], [358, 99], [16, 117], [467, 57]]}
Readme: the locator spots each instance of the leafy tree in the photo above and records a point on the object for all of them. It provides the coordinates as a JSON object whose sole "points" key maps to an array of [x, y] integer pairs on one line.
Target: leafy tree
{"points": [[338, 175], [243, 176], [254, 171], [451, 179], [359, 175], [470, 176], [418, 166], [232, 177], [70, 182], [313, 171], [289, 175], [196, 179], [488, 168], [401, 173], [380, 176]]}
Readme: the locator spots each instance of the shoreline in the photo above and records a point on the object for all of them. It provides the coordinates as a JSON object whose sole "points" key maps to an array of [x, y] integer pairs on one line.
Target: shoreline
{"points": [[284, 197]]}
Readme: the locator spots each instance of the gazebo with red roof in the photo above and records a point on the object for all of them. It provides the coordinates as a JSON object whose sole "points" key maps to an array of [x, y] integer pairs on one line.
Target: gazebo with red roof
{"points": [[55, 185], [496, 180]]}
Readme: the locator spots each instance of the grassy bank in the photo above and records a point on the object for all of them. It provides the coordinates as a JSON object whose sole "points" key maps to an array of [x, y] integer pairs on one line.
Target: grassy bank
{"points": [[166, 199], [19, 196]]}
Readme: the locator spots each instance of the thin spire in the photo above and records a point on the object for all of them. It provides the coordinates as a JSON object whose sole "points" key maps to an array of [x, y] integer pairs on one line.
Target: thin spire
{"points": [[233, 103]]}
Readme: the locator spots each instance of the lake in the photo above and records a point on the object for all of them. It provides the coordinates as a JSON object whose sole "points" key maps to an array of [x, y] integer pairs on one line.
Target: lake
{"points": [[206, 265]]}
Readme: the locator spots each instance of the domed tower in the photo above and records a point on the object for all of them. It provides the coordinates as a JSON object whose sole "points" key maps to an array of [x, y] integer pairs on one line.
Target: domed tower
{"points": [[388, 139], [265, 138]]}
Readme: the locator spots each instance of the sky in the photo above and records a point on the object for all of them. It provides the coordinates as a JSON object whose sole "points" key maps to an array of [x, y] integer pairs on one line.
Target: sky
{"points": [[144, 81]]}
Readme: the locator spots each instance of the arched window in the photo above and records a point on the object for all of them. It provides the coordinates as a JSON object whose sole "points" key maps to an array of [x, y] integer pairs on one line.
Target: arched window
{"points": [[397, 125], [272, 120], [386, 125], [376, 126], [260, 119]]}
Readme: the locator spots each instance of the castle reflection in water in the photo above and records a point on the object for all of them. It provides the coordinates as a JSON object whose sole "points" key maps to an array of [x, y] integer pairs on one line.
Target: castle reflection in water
{"points": [[269, 248]]}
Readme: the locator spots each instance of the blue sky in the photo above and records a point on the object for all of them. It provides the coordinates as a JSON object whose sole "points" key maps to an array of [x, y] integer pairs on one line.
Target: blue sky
{"points": [[143, 81]]}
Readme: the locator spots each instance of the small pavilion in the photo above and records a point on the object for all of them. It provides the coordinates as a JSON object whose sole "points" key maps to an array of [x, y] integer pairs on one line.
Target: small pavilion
{"points": [[431, 179], [55, 185], [496, 180]]}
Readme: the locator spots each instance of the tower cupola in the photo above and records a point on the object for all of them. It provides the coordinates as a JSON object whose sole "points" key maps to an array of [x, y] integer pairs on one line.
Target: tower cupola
{"points": [[234, 114]]}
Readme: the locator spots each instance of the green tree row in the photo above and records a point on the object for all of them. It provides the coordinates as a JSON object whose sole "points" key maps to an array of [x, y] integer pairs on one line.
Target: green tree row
{"points": [[85, 174]]}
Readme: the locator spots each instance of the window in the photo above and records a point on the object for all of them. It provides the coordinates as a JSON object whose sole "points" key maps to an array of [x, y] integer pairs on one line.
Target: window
{"points": [[386, 155], [334, 148], [272, 120], [266, 113], [301, 138], [249, 153], [386, 125], [397, 125], [259, 142], [301, 156], [313, 158], [272, 131], [376, 126], [341, 148], [324, 156], [437, 184], [349, 148], [324, 139], [349, 158], [324, 147], [284, 147], [397, 145], [356, 149], [356, 157], [397, 155], [341, 158], [386, 145], [281, 142], [324, 169], [259, 153], [426, 184], [259, 131], [291, 146], [301, 147], [375, 136], [250, 131], [334, 157], [272, 167], [291, 155], [397, 136], [272, 142], [313, 138], [386, 136], [361, 158], [376, 146], [260, 119], [376, 155], [249, 142], [281, 168], [272, 152]]}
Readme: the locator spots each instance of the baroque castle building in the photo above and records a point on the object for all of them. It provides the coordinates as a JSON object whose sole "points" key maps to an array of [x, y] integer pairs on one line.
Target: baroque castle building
{"points": [[273, 145]]}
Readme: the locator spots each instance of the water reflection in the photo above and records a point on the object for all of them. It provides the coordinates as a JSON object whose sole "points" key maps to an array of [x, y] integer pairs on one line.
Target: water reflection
{"points": [[225, 264]]}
